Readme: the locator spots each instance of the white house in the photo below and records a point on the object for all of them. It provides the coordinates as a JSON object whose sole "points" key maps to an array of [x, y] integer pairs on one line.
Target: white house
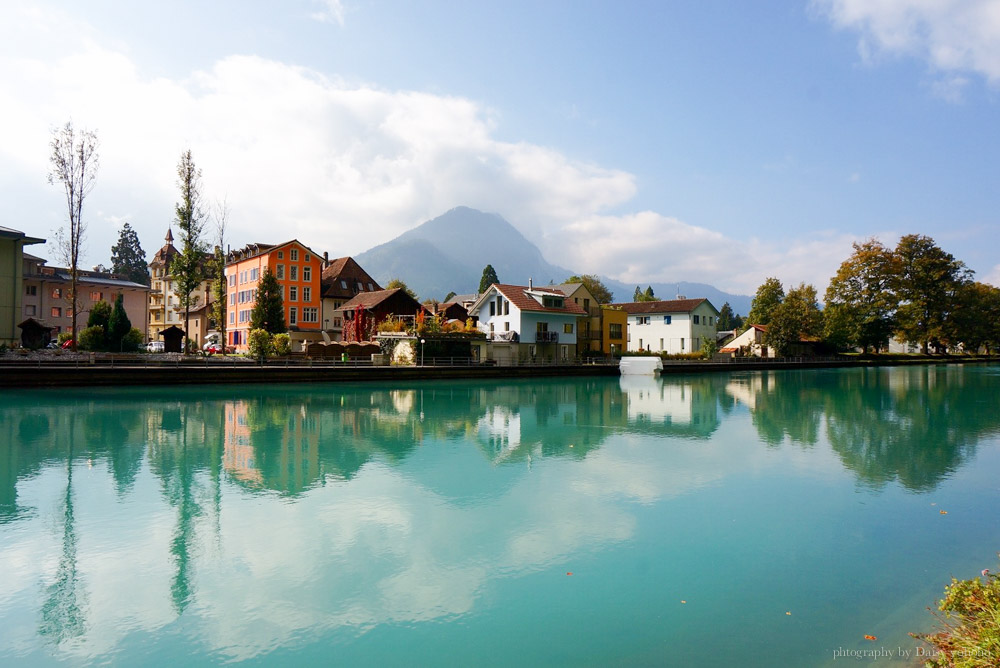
{"points": [[672, 326], [524, 323], [749, 344]]}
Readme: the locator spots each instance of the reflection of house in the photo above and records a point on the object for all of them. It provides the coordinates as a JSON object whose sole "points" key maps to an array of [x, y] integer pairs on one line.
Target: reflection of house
{"points": [[363, 313], [526, 323], [12, 243], [46, 295], [165, 309], [685, 408], [342, 279], [297, 270], [673, 326]]}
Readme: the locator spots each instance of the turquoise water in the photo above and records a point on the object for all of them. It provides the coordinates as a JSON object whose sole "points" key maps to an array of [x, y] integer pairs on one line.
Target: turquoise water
{"points": [[549, 522]]}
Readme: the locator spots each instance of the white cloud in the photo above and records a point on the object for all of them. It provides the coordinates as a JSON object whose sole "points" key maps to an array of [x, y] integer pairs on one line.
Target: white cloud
{"points": [[340, 166], [951, 35], [332, 12]]}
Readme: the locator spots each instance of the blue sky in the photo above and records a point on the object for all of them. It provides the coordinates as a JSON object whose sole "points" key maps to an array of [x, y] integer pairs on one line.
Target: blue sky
{"points": [[720, 142]]}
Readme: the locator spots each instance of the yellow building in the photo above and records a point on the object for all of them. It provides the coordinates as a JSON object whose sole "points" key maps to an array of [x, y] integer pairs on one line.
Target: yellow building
{"points": [[165, 309]]}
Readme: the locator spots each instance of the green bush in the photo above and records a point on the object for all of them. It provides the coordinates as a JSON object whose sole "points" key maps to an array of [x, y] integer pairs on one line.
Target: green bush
{"points": [[92, 338], [971, 624], [282, 344], [132, 341], [260, 343], [64, 337], [709, 348]]}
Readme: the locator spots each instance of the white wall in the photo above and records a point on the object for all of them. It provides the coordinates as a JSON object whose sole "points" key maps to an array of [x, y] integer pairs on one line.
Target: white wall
{"points": [[680, 336]]}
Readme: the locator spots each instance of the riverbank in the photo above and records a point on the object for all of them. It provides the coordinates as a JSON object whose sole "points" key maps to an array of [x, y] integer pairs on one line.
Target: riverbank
{"points": [[44, 369]]}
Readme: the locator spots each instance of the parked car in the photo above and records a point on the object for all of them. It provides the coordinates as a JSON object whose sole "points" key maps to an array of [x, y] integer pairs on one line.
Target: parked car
{"points": [[154, 347], [212, 349]]}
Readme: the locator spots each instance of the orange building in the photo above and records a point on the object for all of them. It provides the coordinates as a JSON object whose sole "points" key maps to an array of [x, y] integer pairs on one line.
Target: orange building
{"points": [[298, 270]]}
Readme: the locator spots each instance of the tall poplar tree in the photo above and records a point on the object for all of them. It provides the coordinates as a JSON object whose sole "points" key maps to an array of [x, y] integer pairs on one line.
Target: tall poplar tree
{"points": [[488, 279], [73, 163], [188, 268]]}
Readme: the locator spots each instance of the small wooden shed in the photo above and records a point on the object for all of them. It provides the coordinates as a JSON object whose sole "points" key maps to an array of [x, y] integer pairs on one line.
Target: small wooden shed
{"points": [[173, 339], [34, 334]]}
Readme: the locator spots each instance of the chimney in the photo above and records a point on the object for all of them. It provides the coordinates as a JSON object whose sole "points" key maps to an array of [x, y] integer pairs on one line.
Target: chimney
{"points": [[529, 283], [326, 259]]}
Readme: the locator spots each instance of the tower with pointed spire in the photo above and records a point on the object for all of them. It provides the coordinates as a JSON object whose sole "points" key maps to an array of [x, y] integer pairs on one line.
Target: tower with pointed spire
{"points": [[164, 310]]}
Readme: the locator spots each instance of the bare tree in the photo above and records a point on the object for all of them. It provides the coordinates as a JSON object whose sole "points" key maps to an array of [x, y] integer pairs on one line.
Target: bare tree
{"points": [[221, 216], [74, 162]]}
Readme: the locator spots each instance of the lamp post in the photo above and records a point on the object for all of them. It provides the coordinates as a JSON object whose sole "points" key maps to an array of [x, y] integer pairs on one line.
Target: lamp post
{"points": [[422, 342]]}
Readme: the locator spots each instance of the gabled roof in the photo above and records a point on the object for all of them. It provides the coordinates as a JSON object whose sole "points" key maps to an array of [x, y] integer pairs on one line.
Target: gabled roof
{"points": [[344, 269], [369, 300], [520, 296], [665, 306], [252, 250], [18, 234]]}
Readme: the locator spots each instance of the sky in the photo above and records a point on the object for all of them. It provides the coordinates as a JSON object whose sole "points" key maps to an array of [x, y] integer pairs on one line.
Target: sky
{"points": [[714, 142]]}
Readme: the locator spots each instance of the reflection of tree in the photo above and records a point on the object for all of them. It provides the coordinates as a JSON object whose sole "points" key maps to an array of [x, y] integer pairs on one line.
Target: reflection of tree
{"points": [[63, 615], [789, 404], [916, 424]]}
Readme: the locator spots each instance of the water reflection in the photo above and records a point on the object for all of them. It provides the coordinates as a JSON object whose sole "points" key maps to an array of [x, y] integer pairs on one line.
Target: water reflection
{"points": [[323, 507]]}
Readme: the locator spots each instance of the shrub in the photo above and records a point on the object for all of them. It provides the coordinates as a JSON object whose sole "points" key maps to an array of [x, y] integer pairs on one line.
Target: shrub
{"points": [[282, 344], [971, 633], [132, 341], [64, 337], [709, 348], [260, 343], [91, 338]]}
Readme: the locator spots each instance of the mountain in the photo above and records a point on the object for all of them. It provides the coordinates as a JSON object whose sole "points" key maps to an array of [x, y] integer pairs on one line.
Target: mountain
{"points": [[448, 254]]}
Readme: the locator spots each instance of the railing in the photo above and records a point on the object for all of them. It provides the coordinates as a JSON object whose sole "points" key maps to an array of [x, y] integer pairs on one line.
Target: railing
{"points": [[546, 337]]}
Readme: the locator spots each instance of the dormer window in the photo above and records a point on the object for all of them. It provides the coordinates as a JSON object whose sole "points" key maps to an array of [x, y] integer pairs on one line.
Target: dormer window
{"points": [[553, 302]]}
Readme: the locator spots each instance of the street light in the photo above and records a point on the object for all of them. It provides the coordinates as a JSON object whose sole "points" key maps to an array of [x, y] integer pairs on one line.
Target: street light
{"points": [[422, 342]]}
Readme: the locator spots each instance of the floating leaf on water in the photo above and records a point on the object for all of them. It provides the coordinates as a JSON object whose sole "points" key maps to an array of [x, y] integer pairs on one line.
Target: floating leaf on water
{"points": [[569, 572], [683, 601], [943, 512], [789, 612], [868, 637]]}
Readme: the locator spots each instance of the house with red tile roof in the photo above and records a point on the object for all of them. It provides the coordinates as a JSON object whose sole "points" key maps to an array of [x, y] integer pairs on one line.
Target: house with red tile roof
{"points": [[671, 326], [525, 323], [363, 312], [341, 280]]}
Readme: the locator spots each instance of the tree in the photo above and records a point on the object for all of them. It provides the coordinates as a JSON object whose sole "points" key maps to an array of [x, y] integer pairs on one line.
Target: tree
{"points": [[100, 315], [928, 283], [595, 286], [127, 257], [269, 311], [860, 300], [798, 316], [118, 326], [74, 161], [219, 288], [643, 296], [188, 267], [397, 283], [769, 295], [448, 296], [724, 323], [488, 279], [975, 321]]}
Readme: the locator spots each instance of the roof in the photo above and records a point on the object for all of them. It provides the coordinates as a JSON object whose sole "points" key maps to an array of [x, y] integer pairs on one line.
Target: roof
{"points": [[252, 250], [344, 269], [664, 306], [520, 296], [18, 234], [368, 300], [88, 278]]}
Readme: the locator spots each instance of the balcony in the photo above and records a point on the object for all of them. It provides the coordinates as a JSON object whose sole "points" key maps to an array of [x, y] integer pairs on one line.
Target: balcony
{"points": [[546, 337]]}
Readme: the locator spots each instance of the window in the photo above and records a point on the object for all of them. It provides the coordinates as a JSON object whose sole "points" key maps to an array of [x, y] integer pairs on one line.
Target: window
{"points": [[255, 274], [31, 290], [506, 327], [506, 307], [307, 272], [310, 314], [661, 344], [696, 318], [491, 328], [96, 296], [281, 255], [642, 320], [232, 317], [232, 299], [293, 316], [293, 294], [493, 308], [371, 288], [307, 294], [586, 305], [307, 258], [666, 319], [682, 343], [711, 320], [640, 344], [361, 288], [568, 328], [295, 254], [57, 293], [615, 331], [56, 312], [279, 272], [343, 284], [552, 302]]}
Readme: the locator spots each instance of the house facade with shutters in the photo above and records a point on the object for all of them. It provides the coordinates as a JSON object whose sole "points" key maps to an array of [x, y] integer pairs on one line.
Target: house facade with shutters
{"points": [[297, 269], [525, 323], [673, 327]]}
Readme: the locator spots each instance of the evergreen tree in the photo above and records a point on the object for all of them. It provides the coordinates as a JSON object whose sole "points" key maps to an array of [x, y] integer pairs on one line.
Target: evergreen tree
{"points": [[769, 295], [448, 297], [127, 257], [118, 326], [488, 279], [269, 310], [637, 295], [725, 320], [648, 295], [100, 316], [188, 267]]}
